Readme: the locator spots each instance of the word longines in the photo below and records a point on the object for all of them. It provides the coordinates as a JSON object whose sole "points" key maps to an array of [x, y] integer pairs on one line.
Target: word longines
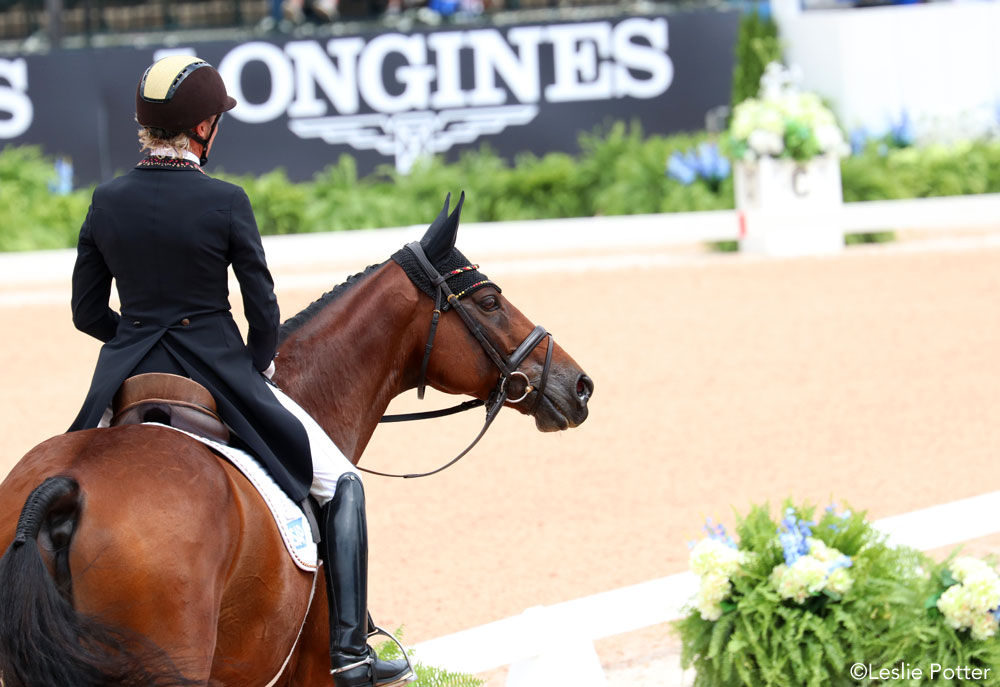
{"points": [[406, 95]]}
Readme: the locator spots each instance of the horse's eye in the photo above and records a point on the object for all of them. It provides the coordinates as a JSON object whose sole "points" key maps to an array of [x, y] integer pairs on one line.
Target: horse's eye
{"points": [[489, 303]]}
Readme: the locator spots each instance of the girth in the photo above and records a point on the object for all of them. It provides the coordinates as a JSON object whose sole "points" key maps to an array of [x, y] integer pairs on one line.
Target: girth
{"points": [[170, 400]]}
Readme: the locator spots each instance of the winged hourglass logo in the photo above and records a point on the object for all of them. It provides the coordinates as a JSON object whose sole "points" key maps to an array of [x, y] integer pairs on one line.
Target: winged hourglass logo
{"points": [[407, 136]]}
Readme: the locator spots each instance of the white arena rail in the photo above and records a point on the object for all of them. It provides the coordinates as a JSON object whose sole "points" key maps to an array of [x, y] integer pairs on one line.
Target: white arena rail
{"points": [[549, 236], [553, 645]]}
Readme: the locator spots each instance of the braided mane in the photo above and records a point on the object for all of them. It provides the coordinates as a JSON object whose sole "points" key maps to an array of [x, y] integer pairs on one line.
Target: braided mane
{"points": [[293, 324]]}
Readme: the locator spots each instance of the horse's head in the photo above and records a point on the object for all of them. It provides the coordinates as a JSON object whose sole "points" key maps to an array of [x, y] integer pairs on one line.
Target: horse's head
{"points": [[480, 344]]}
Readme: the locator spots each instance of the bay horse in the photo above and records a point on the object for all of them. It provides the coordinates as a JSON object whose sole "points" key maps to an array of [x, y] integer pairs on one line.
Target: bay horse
{"points": [[140, 558]]}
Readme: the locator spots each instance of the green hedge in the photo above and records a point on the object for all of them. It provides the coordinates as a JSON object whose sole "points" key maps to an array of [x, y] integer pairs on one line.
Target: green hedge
{"points": [[617, 171], [31, 216]]}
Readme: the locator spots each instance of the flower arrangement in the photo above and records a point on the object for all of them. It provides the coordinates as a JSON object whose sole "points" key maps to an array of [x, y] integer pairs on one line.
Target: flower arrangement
{"points": [[792, 602], [797, 602], [783, 122]]}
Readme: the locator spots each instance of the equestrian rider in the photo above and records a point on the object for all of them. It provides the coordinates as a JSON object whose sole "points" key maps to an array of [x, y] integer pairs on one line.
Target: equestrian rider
{"points": [[166, 233]]}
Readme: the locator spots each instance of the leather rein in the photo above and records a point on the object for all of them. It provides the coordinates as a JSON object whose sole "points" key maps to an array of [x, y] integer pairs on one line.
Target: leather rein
{"points": [[508, 366]]}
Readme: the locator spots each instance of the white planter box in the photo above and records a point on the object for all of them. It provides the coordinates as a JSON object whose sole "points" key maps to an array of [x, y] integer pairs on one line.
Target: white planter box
{"points": [[789, 208]]}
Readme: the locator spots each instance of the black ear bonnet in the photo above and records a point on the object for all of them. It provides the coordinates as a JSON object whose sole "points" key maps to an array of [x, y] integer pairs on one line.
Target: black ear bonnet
{"points": [[439, 246]]}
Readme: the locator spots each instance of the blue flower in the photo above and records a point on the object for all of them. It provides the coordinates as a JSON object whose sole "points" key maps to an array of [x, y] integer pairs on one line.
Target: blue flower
{"points": [[996, 613], [842, 562], [710, 163], [859, 139], [792, 535], [718, 532], [705, 162], [901, 132], [678, 168]]}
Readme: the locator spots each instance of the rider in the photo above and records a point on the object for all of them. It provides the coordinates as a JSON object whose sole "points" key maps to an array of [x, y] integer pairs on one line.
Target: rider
{"points": [[167, 233]]}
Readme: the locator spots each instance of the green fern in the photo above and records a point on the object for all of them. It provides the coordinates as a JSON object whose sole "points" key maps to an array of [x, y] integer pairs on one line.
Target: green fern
{"points": [[427, 676]]}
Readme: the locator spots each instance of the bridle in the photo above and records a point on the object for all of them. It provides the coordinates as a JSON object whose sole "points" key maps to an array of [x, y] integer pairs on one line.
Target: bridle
{"points": [[507, 365]]}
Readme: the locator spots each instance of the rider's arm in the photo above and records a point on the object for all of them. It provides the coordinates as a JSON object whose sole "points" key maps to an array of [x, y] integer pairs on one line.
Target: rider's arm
{"points": [[92, 288], [259, 302]]}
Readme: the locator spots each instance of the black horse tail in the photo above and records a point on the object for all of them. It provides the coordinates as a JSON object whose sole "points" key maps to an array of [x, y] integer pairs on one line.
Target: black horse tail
{"points": [[44, 641]]}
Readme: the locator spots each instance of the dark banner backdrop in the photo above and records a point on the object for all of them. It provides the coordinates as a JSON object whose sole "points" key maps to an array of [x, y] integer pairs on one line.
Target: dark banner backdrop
{"points": [[387, 98]]}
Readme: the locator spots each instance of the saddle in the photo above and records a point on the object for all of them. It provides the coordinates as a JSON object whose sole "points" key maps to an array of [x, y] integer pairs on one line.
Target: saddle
{"points": [[169, 400], [186, 406]]}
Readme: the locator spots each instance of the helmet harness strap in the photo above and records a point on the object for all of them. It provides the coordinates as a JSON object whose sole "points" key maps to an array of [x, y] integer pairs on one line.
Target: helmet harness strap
{"points": [[204, 141]]}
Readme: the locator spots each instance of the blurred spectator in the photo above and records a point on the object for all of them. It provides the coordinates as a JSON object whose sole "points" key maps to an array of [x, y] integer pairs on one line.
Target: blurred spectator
{"points": [[63, 183], [447, 8], [299, 11]]}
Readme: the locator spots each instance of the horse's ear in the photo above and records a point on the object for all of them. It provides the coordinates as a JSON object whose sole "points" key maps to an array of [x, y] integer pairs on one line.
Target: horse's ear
{"points": [[439, 239]]}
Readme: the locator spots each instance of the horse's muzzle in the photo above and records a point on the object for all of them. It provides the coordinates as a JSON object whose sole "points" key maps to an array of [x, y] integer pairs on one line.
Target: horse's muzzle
{"points": [[565, 403]]}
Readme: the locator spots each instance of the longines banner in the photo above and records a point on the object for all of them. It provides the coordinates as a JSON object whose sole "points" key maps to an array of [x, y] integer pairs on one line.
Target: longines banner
{"points": [[388, 98]]}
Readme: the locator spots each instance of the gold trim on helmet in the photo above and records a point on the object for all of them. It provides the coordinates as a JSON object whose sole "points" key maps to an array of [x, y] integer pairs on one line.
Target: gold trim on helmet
{"points": [[161, 80]]}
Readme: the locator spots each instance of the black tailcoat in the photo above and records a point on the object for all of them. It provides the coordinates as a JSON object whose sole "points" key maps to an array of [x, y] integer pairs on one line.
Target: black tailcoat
{"points": [[167, 235]]}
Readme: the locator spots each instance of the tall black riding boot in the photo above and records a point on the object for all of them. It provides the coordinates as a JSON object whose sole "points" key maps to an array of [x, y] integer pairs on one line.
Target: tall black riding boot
{"points": [[345, 560]]}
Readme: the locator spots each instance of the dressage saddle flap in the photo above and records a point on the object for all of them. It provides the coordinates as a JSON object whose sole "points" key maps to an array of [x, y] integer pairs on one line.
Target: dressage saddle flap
{"points": [[171, 400]]}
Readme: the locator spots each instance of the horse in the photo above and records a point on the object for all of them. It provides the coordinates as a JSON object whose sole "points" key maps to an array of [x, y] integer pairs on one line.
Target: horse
{"points": [[135, 555]]}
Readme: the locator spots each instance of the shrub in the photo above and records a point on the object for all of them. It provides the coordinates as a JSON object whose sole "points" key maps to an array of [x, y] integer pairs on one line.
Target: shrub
{"points": [[31, 215], [618, 171], [757, 45]]}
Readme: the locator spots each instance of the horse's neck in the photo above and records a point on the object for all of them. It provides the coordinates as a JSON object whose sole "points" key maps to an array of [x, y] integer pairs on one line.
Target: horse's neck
{"points": [[353, 357]]}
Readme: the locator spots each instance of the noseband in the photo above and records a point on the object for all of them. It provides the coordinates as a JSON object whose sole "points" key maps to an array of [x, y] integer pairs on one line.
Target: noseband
{"points": [[507, 365]]}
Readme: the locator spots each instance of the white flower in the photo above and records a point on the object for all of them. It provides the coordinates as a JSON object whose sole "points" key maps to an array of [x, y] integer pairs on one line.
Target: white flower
{"points": [[714, 588], [760, 124], [766, 143], [714, 562], [970, 603], [823, 568], [984, 626], [830, 138], [802, 579], [840, 581], [819, 550], [969, 567], [713, 556]]}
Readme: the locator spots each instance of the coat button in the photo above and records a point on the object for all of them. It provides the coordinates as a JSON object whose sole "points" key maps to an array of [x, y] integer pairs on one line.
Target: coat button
{"points": [[137, 323], [185, 322]]}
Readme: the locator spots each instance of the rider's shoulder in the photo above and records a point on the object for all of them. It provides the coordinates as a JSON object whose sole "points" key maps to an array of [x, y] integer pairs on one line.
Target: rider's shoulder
{"points": [[224, 188]]}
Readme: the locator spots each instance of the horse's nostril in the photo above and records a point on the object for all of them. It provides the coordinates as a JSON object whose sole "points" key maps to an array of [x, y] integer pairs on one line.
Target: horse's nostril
{"points": [[584, 387]]}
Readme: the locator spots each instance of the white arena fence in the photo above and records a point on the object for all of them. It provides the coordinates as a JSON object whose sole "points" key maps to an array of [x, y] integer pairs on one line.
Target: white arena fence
{"points": [[539, 237], [554, 645]]}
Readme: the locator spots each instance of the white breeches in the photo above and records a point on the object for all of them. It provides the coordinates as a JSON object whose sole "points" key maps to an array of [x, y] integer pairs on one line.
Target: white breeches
{"points": [[329, 463]]}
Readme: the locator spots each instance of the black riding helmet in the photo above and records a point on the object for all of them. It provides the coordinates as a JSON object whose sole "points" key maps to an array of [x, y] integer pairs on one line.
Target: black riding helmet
{"points": [[178, 92]]}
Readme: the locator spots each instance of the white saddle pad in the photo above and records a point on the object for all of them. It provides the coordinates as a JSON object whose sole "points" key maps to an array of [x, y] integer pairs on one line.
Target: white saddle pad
{"points": [[288, 516]]}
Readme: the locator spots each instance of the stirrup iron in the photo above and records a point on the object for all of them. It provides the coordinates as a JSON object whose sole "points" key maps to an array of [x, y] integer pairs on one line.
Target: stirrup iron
{"points": [[374, 631], [367, 660]]}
